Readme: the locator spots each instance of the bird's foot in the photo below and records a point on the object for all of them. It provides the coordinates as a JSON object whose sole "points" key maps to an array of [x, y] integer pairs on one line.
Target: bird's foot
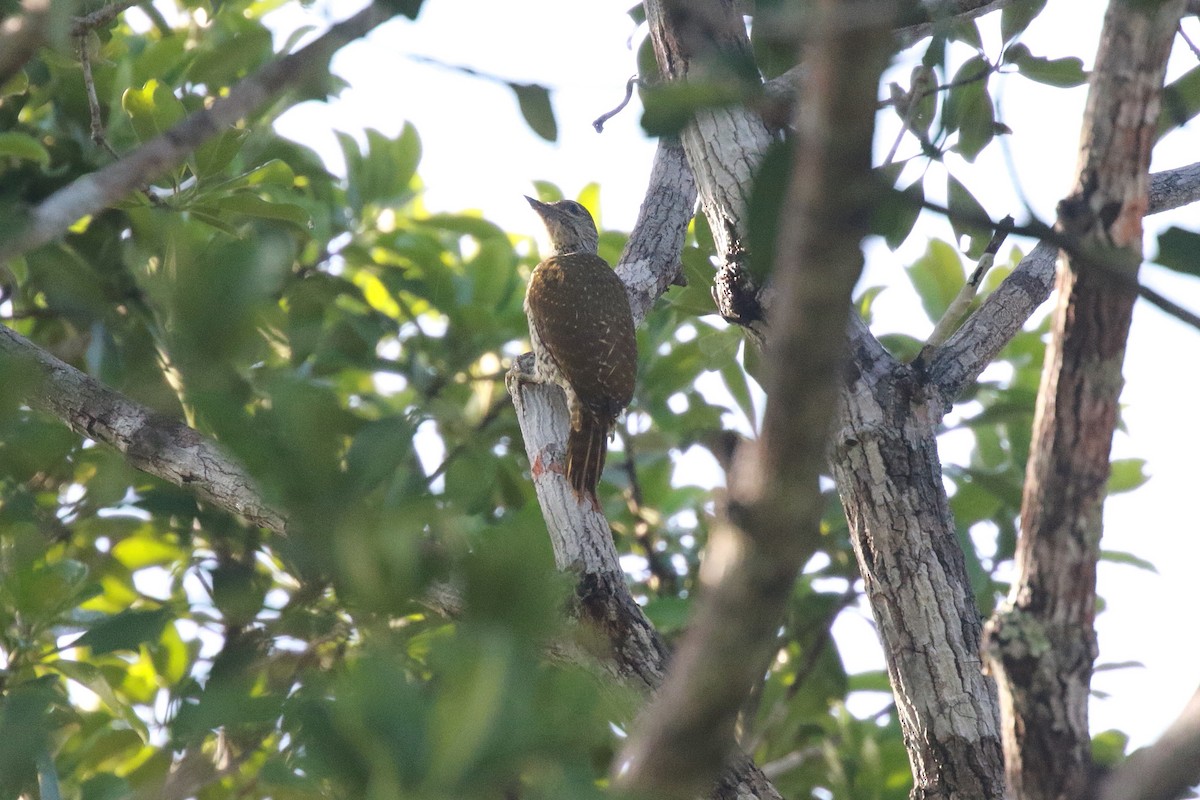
{"points": [[520, 372]]}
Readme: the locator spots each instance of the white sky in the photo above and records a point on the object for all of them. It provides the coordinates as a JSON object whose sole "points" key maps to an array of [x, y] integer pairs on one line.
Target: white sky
{"points": [[478, 153]]}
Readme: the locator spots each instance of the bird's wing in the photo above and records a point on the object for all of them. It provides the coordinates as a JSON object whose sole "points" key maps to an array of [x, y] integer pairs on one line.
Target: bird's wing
{"points": [[582, 316]]}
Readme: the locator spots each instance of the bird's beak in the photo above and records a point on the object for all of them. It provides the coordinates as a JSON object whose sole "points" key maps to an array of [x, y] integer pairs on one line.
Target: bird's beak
{"points": [[537, 205]]}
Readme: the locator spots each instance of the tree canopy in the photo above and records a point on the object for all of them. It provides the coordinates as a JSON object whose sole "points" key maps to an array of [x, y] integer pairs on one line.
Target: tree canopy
{"points": [[227, 565]]}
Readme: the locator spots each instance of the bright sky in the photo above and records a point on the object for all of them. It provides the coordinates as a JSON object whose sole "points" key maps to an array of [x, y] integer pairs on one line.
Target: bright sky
{"points": [[478, 153]]}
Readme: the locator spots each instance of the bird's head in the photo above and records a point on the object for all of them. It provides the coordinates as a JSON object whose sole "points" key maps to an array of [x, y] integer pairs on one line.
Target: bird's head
{"points": [[569, 224]]}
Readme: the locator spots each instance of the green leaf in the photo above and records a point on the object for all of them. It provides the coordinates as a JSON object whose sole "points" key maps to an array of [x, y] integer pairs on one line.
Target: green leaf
{"points": [[548, 192], [252, 205], [901, 345], [967, 217], [969, 108], [669, 614], [534, 101], [896, 211], [1108, 748], [1015, 18], [765, 205], [669, 107], [1129, 559], [153, 109], [23, 146], [937, 276], [1126, 475], [212, 157], [739, 387], [967, 32], [1062, 72], [408, 8], [1179, 249], [125, 631], [378, 450], [1180, 102], [17, 84], [149, 550]]}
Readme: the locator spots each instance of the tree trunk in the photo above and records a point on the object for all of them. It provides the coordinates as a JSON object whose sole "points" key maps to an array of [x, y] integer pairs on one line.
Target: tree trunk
{"points": [[1041, 644], [889, 476]]}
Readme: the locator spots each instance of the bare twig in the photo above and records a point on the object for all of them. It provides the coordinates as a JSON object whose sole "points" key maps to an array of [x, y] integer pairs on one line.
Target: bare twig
{"points": [[101, 16], [960, 304], [1168, 306], [89, 84], [598, 123], [1188, 40], [662, 574]]}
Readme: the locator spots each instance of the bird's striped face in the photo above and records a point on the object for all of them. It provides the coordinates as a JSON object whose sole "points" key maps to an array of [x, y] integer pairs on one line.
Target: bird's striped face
{"points": [[569, 224]]}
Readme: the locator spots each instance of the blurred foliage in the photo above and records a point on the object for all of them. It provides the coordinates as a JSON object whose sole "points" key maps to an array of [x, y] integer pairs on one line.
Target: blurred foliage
{"points": [[349, 347]]}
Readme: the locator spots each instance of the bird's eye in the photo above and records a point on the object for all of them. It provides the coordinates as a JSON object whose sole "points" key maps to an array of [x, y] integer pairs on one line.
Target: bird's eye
{"points": [[575, 208]]}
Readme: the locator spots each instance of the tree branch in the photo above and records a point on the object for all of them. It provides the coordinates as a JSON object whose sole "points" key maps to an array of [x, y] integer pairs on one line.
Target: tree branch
{"points": [[1040, 645], [650, 263], [958, 362], [21, 35], [775, 504], [99, 190], [702, 42], [1165, 769], [151, 442]]}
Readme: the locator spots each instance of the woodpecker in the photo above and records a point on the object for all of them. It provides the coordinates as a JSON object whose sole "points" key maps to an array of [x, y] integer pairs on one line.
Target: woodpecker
{"points": [[582, 334]]}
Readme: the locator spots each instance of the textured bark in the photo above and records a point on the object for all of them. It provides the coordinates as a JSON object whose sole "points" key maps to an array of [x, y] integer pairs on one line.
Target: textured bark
{"points": [[697, 41], [1041, 644], [155, 444], [886, 465], [650, 263], [772, 524]]}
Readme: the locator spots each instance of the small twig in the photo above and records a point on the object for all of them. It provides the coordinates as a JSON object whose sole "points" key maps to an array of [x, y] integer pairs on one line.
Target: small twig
{"points": [[958, 307], [47, 774], [660, 569], [493, 413], [101, 16], [1190, 43], [598, 123], [89, 83], [941, 87], [1169, 306]]}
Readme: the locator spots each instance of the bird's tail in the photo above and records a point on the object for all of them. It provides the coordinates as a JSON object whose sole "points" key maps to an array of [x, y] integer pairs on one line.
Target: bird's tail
{"points": [[586, 450]]}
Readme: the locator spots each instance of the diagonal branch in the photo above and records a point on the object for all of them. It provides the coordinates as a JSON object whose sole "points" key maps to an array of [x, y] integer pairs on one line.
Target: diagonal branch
{"points": [[1165, 769], [151, 442], [958, 362], [99, 190]]}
